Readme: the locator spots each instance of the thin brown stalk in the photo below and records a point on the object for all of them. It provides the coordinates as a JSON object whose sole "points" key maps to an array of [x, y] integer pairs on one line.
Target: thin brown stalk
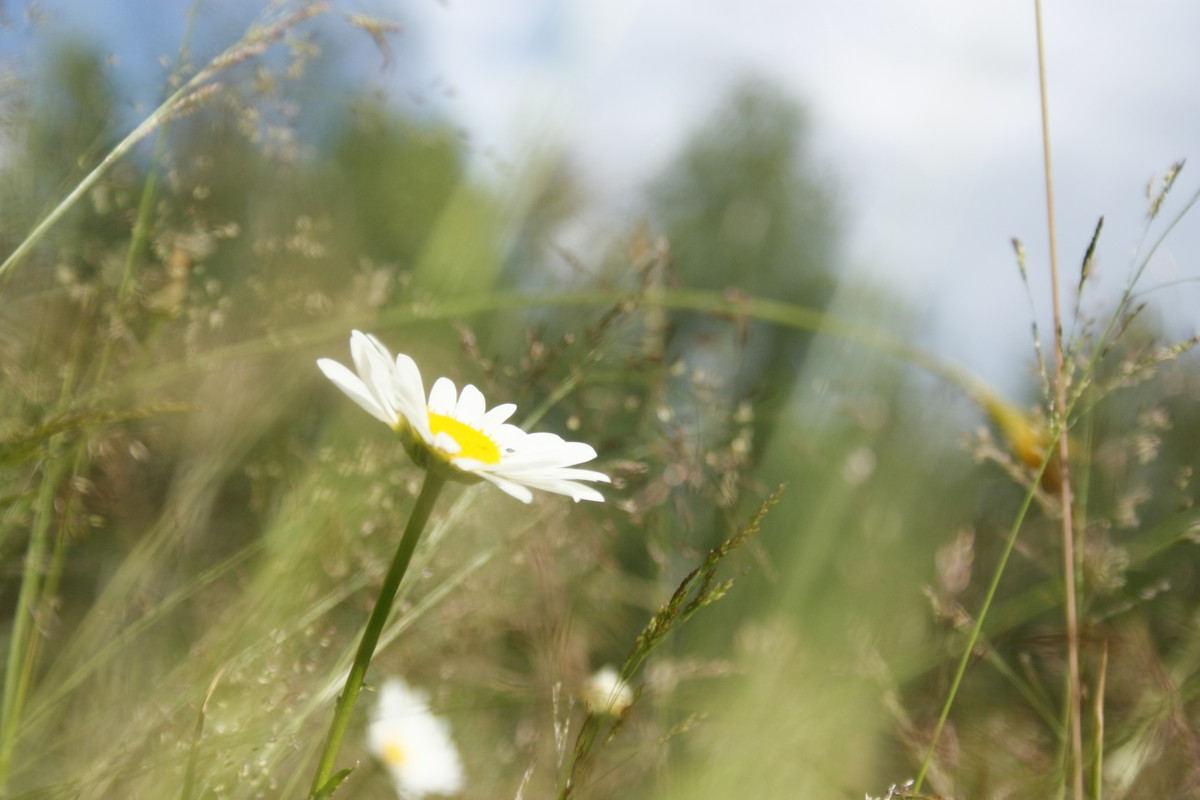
{"points": [[1060, 410], [1098, 727]]}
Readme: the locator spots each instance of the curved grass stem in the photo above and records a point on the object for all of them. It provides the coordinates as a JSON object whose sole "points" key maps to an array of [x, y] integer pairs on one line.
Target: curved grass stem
{"points": [[1074, 712]]}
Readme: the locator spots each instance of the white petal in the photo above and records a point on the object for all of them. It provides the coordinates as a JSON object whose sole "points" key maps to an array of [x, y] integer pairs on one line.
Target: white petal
{"points": [[581, 492], [410, 395], [551, 445], [571, 489], [560, 480], [368, 353], [364, 345], [516, 490], [498, 415], [521, 472], [562, 454], [543, 439], [573, 474], [355, 389], [471, 407], [442, 397], [575, 491], [529, 476], [446, 443], [508, 436], [374, 365], [409, 376]]}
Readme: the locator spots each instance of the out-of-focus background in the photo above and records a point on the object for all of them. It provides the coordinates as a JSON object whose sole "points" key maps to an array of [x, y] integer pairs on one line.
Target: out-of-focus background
{"points": [[922, 121], [729, 245]]}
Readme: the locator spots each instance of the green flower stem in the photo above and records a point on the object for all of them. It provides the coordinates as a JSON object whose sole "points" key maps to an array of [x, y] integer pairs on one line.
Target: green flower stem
{"points": [[370, 638]]}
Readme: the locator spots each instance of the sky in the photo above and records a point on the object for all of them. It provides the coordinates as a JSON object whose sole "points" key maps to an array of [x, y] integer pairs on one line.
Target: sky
{"points": [[924, 115]]}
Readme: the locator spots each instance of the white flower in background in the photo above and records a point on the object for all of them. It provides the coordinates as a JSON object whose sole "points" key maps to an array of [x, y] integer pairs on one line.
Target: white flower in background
{"points": [[454, 433], [606, 693], [413, 744]]}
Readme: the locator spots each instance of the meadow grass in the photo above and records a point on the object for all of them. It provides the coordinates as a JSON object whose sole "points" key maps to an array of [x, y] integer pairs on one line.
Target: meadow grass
{"points": [[196, 525]]}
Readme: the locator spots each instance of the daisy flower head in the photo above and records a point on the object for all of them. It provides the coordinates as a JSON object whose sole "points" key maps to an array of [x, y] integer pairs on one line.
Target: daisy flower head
{"points": [[454, 434], [412, 744], [605, 692]]}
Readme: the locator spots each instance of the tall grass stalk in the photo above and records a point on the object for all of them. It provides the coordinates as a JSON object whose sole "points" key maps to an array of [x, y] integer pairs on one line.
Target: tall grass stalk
{"points": [[23, 643], [42, 568], [1059, 415], [1098, 727]]}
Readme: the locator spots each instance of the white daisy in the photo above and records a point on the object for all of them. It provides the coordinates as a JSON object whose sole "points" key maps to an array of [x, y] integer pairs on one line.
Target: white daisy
{"points": [[454, 433], [606, 693], [413, 744]]}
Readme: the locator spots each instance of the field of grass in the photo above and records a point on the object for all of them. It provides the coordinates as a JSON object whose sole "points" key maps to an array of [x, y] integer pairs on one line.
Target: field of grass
{"points": [[827, 563]]}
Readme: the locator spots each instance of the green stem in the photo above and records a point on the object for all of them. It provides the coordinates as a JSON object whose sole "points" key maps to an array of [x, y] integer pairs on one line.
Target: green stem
{"points": [[977, 628], [24, 642], [366, 648]]}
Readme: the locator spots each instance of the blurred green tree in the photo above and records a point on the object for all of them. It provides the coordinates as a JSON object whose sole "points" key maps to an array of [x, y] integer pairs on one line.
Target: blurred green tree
{"points": [[746, 213]]}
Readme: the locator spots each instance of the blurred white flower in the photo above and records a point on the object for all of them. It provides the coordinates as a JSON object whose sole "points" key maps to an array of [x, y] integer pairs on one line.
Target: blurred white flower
{"points": [[606, 693], [454, 433], [413, 744]]}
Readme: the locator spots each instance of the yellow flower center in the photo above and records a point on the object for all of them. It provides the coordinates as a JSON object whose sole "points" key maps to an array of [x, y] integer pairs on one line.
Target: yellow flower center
{"points": [[393, 754], [474, 444]]}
